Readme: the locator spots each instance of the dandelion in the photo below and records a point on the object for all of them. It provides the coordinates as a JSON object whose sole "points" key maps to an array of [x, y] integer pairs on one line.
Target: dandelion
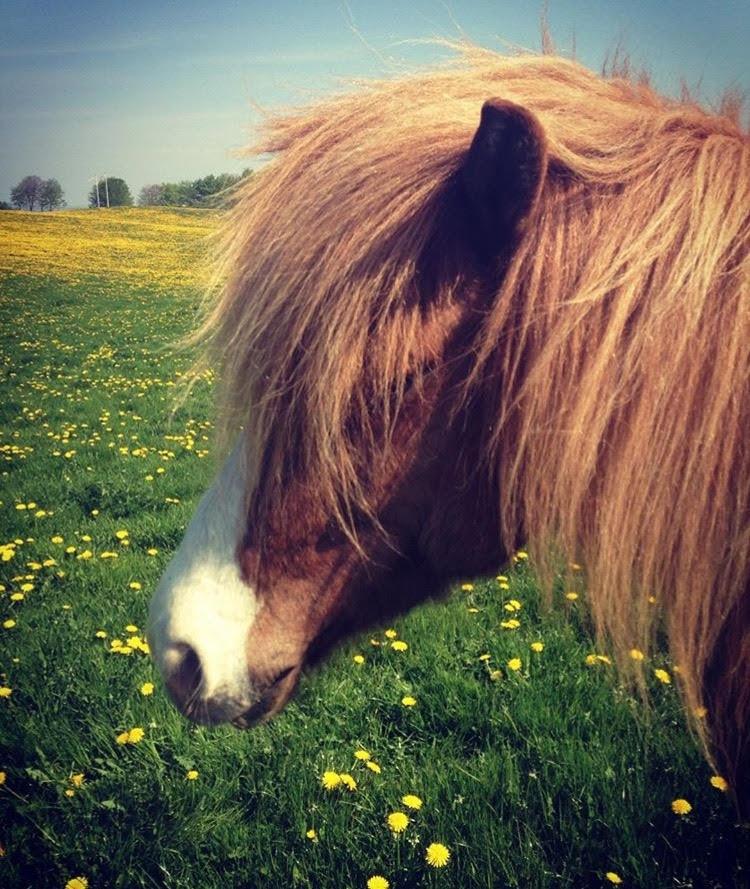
{"points": [[311, 834], [467, 587], [373, 767], [514, 664], [390, 634], [191, 775], [121, 534], [398, 645], [152, 551], [362, 755], [681, 807], [485, 657], [613, 877], [5, 692], [377, 882], [348, 781], [398, 821], [9, 624], [408, 701], [719, 783], [663, 676], [571, 596], [636, 654], [330, 780], [77, 883], [3, 776], [147, 688], [437, 855], [700, 712], [135, 585], [511, 624], [131, 737], [358, 659], [131, 628], [77, 780], [537, 646], [412, 802], [27, 587]]}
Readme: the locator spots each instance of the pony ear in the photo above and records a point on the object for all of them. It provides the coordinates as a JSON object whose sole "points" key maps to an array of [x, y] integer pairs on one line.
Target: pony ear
{"points": [[503, 174]]}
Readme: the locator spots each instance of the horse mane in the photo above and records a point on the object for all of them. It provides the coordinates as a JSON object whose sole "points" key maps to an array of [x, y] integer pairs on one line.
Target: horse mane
{"points": [[613, 362]]}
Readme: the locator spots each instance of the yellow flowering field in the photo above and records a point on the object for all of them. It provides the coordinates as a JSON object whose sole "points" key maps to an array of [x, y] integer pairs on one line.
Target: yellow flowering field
{"points": [[155, 247], [482, 741]]}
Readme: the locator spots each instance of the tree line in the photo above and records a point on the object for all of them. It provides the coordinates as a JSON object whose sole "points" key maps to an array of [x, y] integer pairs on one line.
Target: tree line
{"points": [[207, 191], [35, 193]]}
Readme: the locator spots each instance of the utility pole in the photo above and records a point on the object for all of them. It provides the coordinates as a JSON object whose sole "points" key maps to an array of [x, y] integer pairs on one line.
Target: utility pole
{"points": [[106, 189]]}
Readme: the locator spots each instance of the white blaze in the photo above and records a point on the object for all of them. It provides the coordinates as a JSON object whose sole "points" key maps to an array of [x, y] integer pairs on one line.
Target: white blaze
{"points": [[201, 600]]}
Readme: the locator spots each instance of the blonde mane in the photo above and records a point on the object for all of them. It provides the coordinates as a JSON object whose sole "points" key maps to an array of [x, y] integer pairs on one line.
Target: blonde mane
{"points": [[615, 356]]}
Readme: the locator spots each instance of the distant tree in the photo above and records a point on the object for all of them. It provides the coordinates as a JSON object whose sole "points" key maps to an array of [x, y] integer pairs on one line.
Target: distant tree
{"points": [[51, 195], [151, 196], [26, 194], [119, 193], [4, 205]]}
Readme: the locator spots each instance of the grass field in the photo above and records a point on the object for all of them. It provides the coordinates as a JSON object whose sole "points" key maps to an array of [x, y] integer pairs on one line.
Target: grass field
{"points": [[549, 775]]}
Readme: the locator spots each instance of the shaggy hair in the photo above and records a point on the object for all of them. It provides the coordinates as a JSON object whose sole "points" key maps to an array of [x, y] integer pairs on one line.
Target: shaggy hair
{"points": [[614, 359]]}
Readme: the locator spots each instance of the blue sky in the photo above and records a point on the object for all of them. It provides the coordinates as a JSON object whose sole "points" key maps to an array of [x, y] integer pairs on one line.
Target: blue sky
{"points": [[161, 91]]}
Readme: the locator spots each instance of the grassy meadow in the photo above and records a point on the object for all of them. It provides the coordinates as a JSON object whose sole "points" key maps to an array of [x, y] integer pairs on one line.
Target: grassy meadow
{"points": [[502, 724]]}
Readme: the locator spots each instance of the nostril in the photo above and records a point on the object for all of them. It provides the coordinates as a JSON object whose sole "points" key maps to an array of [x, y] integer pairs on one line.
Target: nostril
{"points": [[186, 676]]}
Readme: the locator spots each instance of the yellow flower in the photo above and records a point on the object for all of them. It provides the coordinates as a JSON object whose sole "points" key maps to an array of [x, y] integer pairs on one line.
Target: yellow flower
{"points": [[131, 737], [57, 539], [408, 701], [663, 676], [437, 855], [3, 776], [511, 624], [467, 587], [348, 781], [191, 775], [147, 688], [77, 780], [636, 654], [135, 585], [572, 596], [398, 821], [358, 659], [330, 780], [363, 755], [700, 712], [592, 659], [311, 834], [27, 587], [501, 578], [398, 645], [121, 535], [485, 657], [5, 692], [537, 646], [9, 624], [152, 551], [681, 807], [613, 877], [411, 801], [373, 767], [390, 634], [514, 664], [77, 883], [719, 783], [377, 882]]}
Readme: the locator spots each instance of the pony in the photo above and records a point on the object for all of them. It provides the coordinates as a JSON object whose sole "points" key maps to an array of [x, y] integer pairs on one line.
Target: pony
{"points": [[502, 301]]}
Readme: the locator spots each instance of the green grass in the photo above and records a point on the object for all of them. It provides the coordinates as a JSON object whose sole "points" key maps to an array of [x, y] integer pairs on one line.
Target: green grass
{"points": [[547, 777]]}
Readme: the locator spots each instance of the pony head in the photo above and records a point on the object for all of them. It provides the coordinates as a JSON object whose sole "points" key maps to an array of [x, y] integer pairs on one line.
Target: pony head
{"points": [[502, 301]]}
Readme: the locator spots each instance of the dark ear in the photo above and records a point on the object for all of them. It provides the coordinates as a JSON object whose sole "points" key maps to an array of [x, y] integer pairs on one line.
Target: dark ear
{"points": [[503, 174]]}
